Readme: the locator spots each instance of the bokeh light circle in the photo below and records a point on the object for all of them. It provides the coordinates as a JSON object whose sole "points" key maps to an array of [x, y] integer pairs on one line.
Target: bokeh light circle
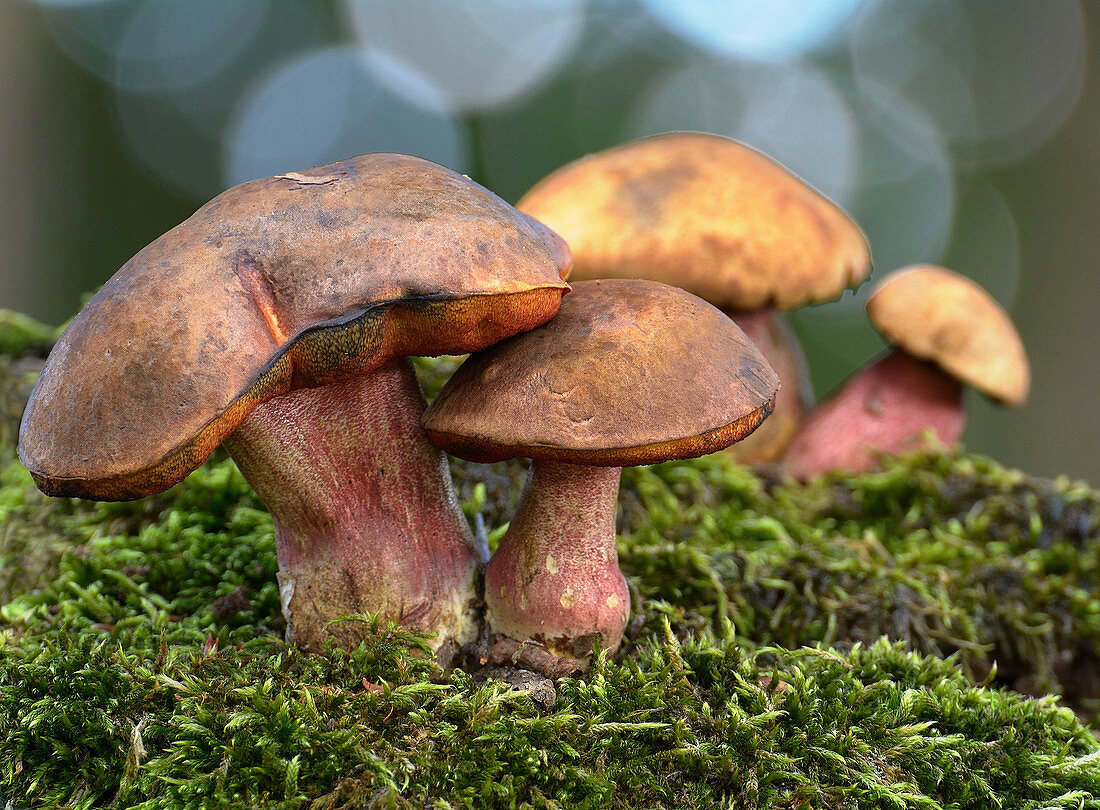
{"points": [[998, 77], [90, 33], [905, 196], [476, 54], [171, 45], [1028, 72], [74, 4], [774, 31], [326, 106]]}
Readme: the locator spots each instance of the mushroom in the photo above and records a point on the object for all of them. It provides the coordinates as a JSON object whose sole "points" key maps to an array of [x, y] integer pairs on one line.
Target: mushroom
{"points": [[945, 331], [276, 321], [629, 372], [720, 220]]}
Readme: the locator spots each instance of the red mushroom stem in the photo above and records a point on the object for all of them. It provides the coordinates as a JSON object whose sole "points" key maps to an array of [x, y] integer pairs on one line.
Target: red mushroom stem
{"points": [[366, 519], [885, 408], [773, 336], [555, 577]]}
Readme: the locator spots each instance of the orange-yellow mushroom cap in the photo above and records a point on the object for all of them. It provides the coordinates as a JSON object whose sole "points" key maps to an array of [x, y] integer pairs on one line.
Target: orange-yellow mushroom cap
{"points": [[937, 315], [705, 213]]}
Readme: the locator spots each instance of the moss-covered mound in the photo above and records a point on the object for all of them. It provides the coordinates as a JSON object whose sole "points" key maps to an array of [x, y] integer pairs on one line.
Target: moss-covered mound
{"points": [[141, 660], [951, 554]]}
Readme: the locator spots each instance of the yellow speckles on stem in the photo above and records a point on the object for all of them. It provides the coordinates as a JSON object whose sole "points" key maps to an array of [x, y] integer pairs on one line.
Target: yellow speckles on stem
{"points": [[503, 591], [568, 599], [613, 601], [551, 564]]}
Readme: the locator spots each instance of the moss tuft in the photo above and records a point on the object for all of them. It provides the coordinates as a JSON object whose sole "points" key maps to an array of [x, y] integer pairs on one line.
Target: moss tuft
{"points": [[22, 335]]}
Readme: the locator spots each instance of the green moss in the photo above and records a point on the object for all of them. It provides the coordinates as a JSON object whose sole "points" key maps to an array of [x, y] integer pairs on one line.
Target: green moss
{"points": [[21, 335], [951, 554], [162, 710], [141, 660]]}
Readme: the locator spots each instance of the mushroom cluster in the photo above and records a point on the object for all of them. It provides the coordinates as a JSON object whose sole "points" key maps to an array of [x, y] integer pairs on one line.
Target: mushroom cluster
{"points": [[276, 321]]}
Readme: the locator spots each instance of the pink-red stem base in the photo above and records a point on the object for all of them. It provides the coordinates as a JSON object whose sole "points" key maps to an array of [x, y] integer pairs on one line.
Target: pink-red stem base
{"points": [[885, 408], [366, 519], [555, 578]]}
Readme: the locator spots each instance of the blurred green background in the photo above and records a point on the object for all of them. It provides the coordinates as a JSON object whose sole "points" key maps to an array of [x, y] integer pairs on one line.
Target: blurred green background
{"points": [[959, 132]]}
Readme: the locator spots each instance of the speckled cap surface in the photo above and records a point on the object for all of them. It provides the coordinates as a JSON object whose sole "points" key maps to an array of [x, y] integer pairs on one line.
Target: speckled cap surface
{"points": [[628, 372], [284, 282]]}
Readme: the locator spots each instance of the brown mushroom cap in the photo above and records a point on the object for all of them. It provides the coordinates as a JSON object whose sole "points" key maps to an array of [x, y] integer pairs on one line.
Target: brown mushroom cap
{"points": [[629, 372], [704, 213], [938, 315], [275, 284]]}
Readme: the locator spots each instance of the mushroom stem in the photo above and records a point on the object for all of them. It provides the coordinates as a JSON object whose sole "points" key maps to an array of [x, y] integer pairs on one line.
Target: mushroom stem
{"points": [[366, 519], [768, 329], [885, 407], [555, 577]]}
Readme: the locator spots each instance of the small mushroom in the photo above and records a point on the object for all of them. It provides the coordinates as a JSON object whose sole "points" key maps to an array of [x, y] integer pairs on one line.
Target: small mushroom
{"points": [[276, 320], [629, 372], [945, 331], [722, 221]]}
